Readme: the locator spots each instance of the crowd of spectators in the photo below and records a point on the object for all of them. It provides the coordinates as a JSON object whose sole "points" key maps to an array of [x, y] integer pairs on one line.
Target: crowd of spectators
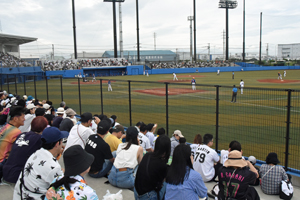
{"points": [[34, 136], [79, 64], [171, 65], [8, 60]]}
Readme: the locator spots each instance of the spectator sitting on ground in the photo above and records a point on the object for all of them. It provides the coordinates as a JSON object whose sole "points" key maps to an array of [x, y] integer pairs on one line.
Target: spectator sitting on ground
{"points": [[206, 160], [9, 133], [49, 118], [175, 140], [68, 184], [160, 132], [41, 167], [197, 142], [252, 160], [25, 145], [113, 140], [236, 172], [129, 155], [81, 132], [100, 150], [138, 125], [57, 120], [29, 116], [114, 117], [151, 128], [182, 181], [144, 140], [68, 122], [233, 145], [153, 170], [271, 175]]}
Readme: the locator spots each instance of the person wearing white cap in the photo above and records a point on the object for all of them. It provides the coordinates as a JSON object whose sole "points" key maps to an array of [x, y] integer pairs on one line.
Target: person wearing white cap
{"points": [[29, 116], [57, 120], [175, 140], [47, 108]]}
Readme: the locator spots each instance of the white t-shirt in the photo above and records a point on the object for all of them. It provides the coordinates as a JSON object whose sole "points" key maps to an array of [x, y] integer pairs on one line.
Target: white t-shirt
{"points": [[242, 83], [27, 123], [126, 158], [224, 156], [204, 160], [40, 170], [74, 137], [151, 138], [144, 141]]}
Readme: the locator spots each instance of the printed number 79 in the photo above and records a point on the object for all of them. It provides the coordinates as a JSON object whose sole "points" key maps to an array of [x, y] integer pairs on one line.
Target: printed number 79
{"points": [[201, 157]]}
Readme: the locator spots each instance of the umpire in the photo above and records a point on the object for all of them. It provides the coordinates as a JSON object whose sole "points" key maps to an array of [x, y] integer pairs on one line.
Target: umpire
{"points": [[234, 93]]}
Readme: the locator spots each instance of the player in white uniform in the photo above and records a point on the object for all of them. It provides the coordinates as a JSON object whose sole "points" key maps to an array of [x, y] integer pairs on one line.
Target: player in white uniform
{"points": [[193, 83], [205, 158], [284, 73], [242, 86], [144, 141], [94, 78], [218, 72], [174, 77], [279, 76], [109, 88]]}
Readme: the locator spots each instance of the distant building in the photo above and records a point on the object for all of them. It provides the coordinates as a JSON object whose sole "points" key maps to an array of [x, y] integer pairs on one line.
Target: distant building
{"points": [[289, 51], [147, 55], [10, 43]]}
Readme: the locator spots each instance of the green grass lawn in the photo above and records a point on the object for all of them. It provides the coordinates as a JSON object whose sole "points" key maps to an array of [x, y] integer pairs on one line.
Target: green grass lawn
{"points": [[257, 119]]}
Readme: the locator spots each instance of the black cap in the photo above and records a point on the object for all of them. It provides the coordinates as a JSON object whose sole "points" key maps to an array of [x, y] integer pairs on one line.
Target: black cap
{"points": [[131, 132], [272, 159], [40, 112], [85, 117], [103, 127]]}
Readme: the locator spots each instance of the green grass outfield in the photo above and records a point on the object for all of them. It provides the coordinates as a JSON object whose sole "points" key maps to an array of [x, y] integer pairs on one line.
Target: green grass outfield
{"points": [[257, 120]]}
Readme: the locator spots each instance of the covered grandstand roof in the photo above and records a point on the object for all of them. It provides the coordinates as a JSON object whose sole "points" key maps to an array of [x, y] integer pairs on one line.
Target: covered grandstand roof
{"points": [[15, 39], [142, 53]]}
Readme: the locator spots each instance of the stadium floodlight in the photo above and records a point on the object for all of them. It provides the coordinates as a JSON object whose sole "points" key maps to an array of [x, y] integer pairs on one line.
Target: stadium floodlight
{"points": [[114, 24], [227, 4]]}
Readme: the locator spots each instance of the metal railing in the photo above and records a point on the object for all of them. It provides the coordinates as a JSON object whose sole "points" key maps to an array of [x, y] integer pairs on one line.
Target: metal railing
{"points": [[263, 120]]}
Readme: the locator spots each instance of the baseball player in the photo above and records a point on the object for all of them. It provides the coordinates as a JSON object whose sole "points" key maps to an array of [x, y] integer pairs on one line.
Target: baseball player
{"points": [[94, 78], [147, 73], [242, 85], [232, 75], [109, 85], [218, 72], [279, 76], [193, 83], [174, 77], [284, 73]]}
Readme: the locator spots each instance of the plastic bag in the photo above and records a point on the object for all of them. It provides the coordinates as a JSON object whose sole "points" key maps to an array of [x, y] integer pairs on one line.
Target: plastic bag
{"points": [[110, 196]]}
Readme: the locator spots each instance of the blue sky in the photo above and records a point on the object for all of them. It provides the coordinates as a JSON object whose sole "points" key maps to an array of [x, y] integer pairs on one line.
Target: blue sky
{"points": [[51, 23]]}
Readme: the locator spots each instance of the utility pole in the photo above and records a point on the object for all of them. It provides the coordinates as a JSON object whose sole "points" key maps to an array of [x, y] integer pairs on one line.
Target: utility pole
{"points": [[74, 29], [191, 18], [155, 41], [121, 30], [244, 32], [195, 48], [267, 50], [224, 41], [260, 38], [208, 49], [52, 51]]}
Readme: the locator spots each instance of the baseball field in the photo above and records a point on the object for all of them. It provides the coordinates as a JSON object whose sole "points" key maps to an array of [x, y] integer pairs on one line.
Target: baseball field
{"points": [[258, 119]]}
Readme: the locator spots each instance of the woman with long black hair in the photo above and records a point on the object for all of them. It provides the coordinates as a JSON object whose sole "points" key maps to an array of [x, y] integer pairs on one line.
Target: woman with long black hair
{"points": [[149, 181], [183, 182]]}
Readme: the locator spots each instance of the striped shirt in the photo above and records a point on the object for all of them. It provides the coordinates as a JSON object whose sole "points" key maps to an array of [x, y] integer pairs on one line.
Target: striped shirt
{"points": [[270, 183], [8, 135]]}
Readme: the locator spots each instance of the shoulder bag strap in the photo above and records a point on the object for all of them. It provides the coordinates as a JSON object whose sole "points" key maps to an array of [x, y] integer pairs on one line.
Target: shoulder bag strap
{"points": [[229, 182], [80, 136], [267, 172]]}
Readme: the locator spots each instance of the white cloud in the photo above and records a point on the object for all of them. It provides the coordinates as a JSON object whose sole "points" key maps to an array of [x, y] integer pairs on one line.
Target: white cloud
{"points": [[51, 22]]}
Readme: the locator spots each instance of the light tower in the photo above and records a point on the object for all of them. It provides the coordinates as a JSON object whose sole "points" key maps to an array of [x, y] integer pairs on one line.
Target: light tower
{"points": [[191, 18], [227, 4]]}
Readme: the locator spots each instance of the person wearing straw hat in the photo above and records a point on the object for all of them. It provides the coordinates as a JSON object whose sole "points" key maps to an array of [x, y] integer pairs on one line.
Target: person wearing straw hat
{"points": [[272, 175], [72, 184], [235, 177]]}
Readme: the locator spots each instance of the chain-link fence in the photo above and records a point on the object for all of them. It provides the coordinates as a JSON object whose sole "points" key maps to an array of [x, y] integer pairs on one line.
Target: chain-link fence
{"points": [[262, 120]]}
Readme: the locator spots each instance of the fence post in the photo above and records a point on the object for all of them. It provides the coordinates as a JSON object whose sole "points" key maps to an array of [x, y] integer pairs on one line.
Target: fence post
{"points": [[25, 84], [287, 137], [7, 82], [35, 96], [101, 96], [217, 116], [79, 95], [47, 88], [167, 108], [16, 88], [129, 95], [61, 89]]}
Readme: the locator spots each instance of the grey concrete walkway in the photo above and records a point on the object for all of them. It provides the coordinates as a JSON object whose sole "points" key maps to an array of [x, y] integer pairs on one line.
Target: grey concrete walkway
{"points": [[99, 185]]}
